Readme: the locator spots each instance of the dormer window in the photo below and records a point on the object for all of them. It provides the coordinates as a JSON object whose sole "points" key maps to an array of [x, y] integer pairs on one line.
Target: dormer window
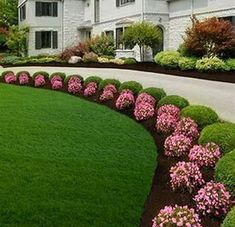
{"points": [[123, 2], [49, 9]]}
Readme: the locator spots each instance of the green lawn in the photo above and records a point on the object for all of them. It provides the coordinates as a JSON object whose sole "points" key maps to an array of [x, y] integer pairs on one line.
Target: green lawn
{"points": [[68, 162]]}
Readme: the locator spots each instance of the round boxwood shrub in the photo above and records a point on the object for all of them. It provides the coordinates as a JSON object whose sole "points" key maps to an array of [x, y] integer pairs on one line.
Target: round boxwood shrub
{"points": [[229, 220], [45, 74], [5, 73], [62, 75], [95, 79], [134, 86], [225, 171], [231, 63], [222, 134], [173, 100], [157, 93], [106, 82], [129, 61], [187, 63], [21, 72], [69, 77], [202, 115], [168, 59]]}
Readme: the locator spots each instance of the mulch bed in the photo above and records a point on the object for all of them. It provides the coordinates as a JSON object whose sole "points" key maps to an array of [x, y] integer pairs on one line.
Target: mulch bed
{"points": [[147, 67], [161, 193]]}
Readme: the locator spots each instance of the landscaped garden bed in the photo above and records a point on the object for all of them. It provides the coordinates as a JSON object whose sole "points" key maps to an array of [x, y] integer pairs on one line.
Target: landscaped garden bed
{"points": [[168, 119]]}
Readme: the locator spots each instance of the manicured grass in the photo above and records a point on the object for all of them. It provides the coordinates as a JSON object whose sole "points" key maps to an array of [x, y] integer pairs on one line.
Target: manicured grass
{"points": [[68, 162]]}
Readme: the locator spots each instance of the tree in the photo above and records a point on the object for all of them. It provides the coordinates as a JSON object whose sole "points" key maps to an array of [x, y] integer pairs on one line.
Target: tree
{"points": [[143, 34], [17, 40], [210, 37], [8, 13]]}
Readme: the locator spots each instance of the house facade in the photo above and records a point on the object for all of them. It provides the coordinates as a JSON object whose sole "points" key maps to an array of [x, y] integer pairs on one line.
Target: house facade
{"points": [[57, 24]]}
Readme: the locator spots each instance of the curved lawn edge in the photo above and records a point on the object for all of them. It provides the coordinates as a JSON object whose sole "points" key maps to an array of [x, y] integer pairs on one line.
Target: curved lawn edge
{"points": [[104, 109]]}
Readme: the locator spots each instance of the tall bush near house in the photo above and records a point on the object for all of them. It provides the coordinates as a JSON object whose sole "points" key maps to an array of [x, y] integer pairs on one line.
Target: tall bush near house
{"points": [[17, 40], [143, 34], [3, 37], [210, 37]]}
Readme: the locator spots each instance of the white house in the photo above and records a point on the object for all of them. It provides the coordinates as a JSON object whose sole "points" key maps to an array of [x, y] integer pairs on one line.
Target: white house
{"points": [[57, 24]]}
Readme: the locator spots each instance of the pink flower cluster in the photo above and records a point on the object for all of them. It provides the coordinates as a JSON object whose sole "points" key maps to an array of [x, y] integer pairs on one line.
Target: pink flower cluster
{"points": [[170, 110], [177, 216], [187, 127], [10, 78], [108, 93], [213, 199], [56, 82], [144, 107], [206, 155], [74, 85], [125, 100], [23, 78], [185, 175], [39, 81], [177, 145], [166, 123], [90, 89]]}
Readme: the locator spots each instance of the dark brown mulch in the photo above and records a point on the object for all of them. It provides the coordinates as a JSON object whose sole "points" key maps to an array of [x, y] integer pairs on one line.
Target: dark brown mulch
{"points": [[148, 67], [161, 193]]}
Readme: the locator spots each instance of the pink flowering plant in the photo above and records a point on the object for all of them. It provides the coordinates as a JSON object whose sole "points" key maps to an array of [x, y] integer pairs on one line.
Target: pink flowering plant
{"points": [[10, 78], [166, 123], [125, 100], [39, 80], [170, 110], [143, 111], [185, 175], [23, 78], [74, 85], [145, 98], [108, 93], [174, 216], [213, 199], [91, 89], [206, 155], [177, 145], [56, 82], [187, 127]]}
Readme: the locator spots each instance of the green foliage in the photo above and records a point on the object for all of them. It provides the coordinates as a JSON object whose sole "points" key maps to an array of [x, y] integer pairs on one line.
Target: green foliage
{"points": [[90, 57], [68, 78], [103, 45], [129, 61], [144, 34], [202, 115], [95, 79], [211, 64], [168, 59], [229, 220], [62, 75], [45, 74], [187, 63], [231, 63], [17, 40], [8, 13], [26, 72], [222, 134], [225, 171], [157, 93], [134, 86], [9, 59], [6, 72], [106, 82], [173, 100]]}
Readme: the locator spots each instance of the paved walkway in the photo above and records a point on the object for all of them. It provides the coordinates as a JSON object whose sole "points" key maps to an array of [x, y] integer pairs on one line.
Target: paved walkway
{"points": [[218, 95]]}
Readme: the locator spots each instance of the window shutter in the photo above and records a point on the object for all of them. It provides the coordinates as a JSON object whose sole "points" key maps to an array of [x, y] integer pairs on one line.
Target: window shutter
{"points": [[117, 3], [38, 40], [55, 9], [38, 9], [132, 0], [55, 39]]}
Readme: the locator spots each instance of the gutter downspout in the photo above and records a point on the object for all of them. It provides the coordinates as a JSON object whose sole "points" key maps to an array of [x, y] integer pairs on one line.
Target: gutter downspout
{"points": [[62, 25], [142, 9], [192, 7]]}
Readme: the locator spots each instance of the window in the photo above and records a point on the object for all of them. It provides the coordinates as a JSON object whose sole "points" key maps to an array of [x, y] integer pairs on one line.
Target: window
{"points": [[46, 39], [46, 9], [231, 19], [110, 33], [97, 10], [22, 12], [123, 2], [119, 41]]}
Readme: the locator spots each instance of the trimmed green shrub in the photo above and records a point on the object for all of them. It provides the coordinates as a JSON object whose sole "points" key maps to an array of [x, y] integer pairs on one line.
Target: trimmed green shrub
{"points": [[134, 86], [211, 64], [62, 75], [45, 74], [90, 57], [106, 82], [68, 78], [129, 61], [6, 72], [229, 220], [202, 115], [168, 59], [187, 63], [157, 93], [231, 63], [174, 100], [222, 134], [18, 74], [95, 79], [225, 171]]}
